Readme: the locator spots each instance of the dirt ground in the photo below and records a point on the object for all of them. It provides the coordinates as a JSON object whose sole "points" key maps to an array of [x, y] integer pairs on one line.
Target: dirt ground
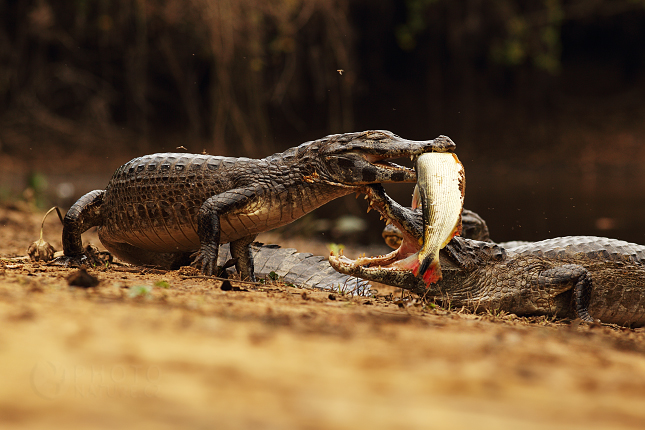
{"points": [[164, 350]]}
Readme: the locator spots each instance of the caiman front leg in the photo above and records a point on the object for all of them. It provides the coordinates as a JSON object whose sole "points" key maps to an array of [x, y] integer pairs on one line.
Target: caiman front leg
{"points": [[83, 215], [241, 252], [209, 232], [539, 295], [582, 284]]}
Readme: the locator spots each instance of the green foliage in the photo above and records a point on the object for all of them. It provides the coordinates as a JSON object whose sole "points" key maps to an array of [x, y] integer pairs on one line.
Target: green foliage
{"points": [[37, 185], [162, 284], [140, 291], [515, 32], [415, 24], [533, 37], [335, 248]]}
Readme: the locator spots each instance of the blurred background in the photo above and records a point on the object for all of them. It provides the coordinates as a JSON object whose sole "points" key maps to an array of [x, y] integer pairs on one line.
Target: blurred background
{"points": [[544, 98]]}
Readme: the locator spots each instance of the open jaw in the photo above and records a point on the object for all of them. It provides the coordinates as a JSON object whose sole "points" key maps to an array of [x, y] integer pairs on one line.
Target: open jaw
{"points": [[383, 162], [441, 185], [399, 267]]}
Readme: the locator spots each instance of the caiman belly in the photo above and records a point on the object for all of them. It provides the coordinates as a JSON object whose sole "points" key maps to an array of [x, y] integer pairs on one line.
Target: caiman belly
{"points": [[153, 202], [165, 227]]}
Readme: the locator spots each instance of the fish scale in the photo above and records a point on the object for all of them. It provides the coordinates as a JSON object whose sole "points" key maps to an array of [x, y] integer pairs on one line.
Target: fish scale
{"points": [[441, 185]]}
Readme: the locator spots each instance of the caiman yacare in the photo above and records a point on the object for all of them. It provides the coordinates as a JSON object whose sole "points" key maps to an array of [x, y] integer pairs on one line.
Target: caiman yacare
{"points": [[168, 210], [577, 276]]}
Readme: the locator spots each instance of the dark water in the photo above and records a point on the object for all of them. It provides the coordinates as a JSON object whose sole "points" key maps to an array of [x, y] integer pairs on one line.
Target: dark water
{"points": [[534, 204], [518, 203]]}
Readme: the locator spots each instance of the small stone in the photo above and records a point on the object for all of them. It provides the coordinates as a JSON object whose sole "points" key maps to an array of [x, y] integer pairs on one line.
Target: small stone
{"points": [[82, 279]]}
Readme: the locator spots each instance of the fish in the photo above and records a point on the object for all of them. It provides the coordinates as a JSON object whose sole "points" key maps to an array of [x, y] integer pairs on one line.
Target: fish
{"points": [[440, 191]]}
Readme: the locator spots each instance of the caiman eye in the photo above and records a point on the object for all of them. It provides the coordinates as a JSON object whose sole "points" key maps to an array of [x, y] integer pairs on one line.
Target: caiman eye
{"points": [[375, 135]]}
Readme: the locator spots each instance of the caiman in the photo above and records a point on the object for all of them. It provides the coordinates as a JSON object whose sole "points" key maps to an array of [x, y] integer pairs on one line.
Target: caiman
{"points": [[568, 277], [168, 210]]}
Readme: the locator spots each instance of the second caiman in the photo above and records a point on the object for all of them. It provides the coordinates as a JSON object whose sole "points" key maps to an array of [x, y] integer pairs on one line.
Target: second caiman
{"points": [[168, 210], [568, 277]]}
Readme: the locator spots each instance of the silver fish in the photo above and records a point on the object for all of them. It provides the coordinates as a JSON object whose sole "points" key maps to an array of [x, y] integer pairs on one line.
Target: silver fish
{"points": [[441, 185]]}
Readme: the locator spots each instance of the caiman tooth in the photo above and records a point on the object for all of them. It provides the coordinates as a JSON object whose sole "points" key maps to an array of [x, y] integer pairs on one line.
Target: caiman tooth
{"points": [[369, 208]]}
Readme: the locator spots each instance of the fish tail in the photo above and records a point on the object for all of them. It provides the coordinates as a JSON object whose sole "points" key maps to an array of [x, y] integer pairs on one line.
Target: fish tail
{"points": [[433, 275], [429, 269]]}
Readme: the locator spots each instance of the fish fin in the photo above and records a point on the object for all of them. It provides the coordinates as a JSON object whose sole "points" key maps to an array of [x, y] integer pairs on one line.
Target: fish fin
{"points": [[433, 275], [429, 269], [431, 272], [416, 198]]}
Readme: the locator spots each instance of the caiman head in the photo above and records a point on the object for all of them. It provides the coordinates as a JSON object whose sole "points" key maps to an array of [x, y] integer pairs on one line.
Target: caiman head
{"points": [[473, 227], [394, 268], [406, 232], [355, 159]]}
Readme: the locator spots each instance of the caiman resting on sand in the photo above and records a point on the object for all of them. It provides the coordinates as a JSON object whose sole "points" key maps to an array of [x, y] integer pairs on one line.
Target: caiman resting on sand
{"points": [[168, 210], [579, 276]]}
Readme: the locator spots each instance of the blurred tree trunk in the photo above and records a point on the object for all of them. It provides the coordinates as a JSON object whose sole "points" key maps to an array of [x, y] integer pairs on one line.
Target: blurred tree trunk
{"points": [[136, 70], [235, 76]]}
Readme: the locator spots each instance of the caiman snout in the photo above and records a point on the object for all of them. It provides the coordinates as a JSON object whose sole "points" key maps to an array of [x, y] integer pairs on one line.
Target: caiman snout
{"points": [[442, 144], [383, 144], [366, 157], [392, 146]]}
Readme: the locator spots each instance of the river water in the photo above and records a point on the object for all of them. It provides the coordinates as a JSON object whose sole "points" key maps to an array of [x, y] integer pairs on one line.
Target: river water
{"points": [[518, 202], [539, 203]]}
